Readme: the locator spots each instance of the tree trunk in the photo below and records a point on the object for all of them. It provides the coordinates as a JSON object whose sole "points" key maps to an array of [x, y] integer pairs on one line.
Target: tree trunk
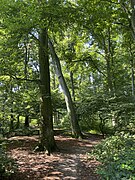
{"points": [[26, 60], [72, 85], [109, 63], [47, 135], [132, 70], [11, 121], [133, 18], [69, 103], [18, 121], [26, 124], [109, 78]]}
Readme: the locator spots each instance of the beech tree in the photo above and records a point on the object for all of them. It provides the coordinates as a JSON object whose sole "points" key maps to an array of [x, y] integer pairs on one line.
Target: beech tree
{"points": [[47, 136], [70, 106]]}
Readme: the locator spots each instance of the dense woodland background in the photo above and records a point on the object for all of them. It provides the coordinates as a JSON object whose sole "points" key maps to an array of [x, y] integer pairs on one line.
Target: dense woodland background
{"points": [[68, 65]]}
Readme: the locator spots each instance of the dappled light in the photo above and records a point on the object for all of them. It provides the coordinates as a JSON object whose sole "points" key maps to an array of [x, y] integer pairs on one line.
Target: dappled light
{"points": [[67, 89], [71, 162]]}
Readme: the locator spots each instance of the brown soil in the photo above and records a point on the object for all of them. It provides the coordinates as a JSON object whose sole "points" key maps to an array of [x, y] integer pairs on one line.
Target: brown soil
{"points": [[70, 163]]}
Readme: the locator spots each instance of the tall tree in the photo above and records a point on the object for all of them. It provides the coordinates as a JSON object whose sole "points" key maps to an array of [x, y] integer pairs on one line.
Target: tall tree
{"points": [[133, 17], [70, 106], [18, 9], [47, 136]]}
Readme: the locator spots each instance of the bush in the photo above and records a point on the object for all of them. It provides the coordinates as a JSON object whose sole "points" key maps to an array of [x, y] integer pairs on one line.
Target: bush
{"points": [[117, 155], [7, 165]]}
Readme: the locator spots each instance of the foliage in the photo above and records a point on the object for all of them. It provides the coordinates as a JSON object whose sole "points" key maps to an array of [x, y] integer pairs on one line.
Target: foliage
{"points": [[93, 40], [65, 123], [100, 112], [117, 155], [7, 165]]}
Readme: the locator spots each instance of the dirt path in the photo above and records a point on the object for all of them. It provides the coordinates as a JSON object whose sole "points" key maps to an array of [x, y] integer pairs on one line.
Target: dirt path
{"points": [[69, 164]]}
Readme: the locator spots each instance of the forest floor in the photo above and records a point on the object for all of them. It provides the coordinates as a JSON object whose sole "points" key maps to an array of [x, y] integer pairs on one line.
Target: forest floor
{"points": [[70, 163]]}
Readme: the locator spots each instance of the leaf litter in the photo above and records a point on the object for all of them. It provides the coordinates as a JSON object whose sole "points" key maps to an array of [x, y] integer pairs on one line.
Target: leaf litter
{"points": [[70, 163]]}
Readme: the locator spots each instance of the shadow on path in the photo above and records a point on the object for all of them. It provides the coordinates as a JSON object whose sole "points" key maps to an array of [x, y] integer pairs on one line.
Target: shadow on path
{"points": [[68, 164]]}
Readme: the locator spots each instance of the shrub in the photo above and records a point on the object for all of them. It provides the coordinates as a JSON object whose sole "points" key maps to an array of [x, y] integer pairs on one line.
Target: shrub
{"points": [[117, 155], [7, 165]]}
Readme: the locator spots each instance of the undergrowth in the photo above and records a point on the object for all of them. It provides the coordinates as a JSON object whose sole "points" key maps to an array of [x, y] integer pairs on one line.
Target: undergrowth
{"points": [[117, 156], [7, 165]]}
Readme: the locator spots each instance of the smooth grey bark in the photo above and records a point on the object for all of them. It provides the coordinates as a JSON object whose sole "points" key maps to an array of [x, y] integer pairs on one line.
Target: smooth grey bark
{"points": [[72, 85], [69, 103], [47, 135]]}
